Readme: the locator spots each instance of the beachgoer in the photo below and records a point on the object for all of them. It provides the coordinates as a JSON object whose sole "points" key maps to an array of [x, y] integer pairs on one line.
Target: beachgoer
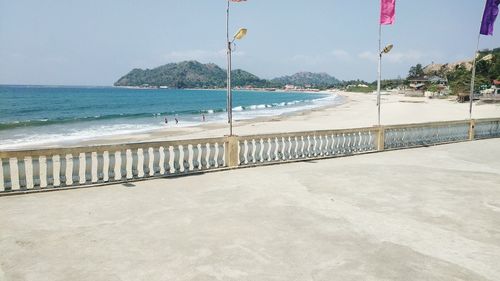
{"points": [[203, 115], [166, 120], [176, 121]]}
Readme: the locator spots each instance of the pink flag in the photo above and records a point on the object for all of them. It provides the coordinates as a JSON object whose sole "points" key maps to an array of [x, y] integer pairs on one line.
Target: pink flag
{"points": [[387, 11]]}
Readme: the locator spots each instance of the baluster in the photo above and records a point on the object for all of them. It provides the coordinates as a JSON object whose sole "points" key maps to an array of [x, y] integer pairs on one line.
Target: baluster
{"points": [[152, 160], [318, 145], [309, 147], [28, 166], [207, 154], [120, 168], [356, 142], [245, 152], [290, 144], [276, 149], [161, 151], [172, 160], [68, 173], [325, 145], [285, 147], [105, 166], [241, 152], [82, 167], [21, 172], [56, 171], [190, 158], [260, 150], [365, 141], [199, 150], [279, 148], [216, 155], [76, 169], [93, 171], [7, 177], [100, 166], [129, 160], [221, 158], [266, 150], [252, 151], [167, 165], [350, 145], [300, 147], [195, 155], [113, 165], [14, 174], [178, 159], [331, 146], [184, 158], [42, 172], [89, 167], [141, 160]]}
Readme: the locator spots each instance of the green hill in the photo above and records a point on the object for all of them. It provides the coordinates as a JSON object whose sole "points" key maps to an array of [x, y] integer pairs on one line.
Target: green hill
{"points": [[304, 79], [192, 74], [188, 74]]}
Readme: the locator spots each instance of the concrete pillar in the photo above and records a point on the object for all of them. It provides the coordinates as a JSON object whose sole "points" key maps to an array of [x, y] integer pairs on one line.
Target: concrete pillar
{"points": [[472, 127], [380, 138], [231, 154]]}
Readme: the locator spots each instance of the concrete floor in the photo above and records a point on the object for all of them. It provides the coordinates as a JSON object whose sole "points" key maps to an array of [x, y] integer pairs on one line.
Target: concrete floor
{"points": [[422, 214]]}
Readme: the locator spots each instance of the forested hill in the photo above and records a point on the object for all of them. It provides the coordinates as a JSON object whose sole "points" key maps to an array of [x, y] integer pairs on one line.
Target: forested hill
{"points": [[188, 74], [305, 79], [193, 74]]}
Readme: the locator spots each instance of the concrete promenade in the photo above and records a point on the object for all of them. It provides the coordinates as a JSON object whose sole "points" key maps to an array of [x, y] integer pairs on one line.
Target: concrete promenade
{"points": [[421, 214]]}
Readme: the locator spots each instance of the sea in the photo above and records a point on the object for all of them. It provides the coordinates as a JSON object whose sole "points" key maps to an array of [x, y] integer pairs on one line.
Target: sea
{"points": [[32, 116]]}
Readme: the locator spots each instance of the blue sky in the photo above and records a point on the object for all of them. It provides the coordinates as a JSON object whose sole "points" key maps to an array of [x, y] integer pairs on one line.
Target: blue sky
{"points": [[94, 42]]}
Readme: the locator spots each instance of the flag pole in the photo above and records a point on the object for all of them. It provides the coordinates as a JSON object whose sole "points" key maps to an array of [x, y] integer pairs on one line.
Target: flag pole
{"points": [[228, 98], [471, 95], [379, 78]]}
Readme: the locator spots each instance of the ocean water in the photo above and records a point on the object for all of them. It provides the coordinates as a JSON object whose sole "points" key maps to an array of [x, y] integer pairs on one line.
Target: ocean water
{"points": [[34, 115]]}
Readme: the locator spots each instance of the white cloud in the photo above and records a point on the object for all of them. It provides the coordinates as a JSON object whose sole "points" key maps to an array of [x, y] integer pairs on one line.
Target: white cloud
{"points": [[367, 55], [340, 54]]}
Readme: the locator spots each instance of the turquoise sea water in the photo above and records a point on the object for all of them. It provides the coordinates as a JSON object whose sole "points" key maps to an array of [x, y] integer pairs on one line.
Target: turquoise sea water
{"points": [[31, 115]]}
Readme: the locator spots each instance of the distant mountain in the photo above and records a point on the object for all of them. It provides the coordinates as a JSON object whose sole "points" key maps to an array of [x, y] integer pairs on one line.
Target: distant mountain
{"points": [[305, 79], [193, 74], [188, 74]]}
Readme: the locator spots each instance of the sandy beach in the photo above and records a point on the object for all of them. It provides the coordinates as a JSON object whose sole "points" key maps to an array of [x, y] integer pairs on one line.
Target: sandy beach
{"points": [[358, 110]]}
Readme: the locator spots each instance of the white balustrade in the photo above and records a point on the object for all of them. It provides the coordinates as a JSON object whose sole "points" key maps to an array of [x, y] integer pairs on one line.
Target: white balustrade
{"points": [[53, 168]]}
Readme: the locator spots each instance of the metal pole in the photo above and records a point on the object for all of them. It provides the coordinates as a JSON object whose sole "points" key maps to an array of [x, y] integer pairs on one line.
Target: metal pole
{"points": [[230, 91], [228, 83], [471, 95], [379, 69]]}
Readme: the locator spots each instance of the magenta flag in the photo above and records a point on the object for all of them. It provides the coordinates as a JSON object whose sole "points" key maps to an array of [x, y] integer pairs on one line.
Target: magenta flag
{"points": [[489, 17], [387, 11]]}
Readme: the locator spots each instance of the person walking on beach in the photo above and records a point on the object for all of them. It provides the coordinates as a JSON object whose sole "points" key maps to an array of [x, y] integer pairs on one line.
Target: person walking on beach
{"points": [[203, 117], [176, 121]]}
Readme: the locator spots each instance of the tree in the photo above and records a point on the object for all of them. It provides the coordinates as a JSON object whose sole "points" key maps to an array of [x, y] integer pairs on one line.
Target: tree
{"points": [[416, 71]]}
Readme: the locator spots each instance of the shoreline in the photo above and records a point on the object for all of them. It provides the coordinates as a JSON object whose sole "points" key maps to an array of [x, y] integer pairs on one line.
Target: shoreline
{"points": [[354, 111], [174, 132]]}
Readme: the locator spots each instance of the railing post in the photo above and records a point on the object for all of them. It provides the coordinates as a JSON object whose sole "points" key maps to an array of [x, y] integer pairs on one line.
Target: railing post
{"points": [[472, 133], [381, 138], [231, 153]]}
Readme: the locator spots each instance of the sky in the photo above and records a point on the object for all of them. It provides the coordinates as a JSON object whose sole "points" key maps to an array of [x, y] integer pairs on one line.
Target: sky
{"points": [[95, 42]]}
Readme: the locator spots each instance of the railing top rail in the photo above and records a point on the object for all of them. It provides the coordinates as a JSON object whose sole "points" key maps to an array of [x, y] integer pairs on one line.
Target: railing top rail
{"points": [[103, 148], [427, 124], [308, 133], [487, 120]]}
